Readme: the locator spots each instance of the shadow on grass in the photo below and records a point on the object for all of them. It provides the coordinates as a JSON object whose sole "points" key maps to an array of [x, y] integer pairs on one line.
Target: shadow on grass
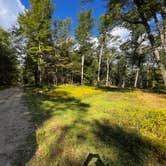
{"points": [[34, 100], [132, 149], [161, 92], [118, 89], [114, 89]]}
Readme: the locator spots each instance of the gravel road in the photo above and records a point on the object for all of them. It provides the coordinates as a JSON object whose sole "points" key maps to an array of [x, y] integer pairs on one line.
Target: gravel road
{"points": [[14, 123]]}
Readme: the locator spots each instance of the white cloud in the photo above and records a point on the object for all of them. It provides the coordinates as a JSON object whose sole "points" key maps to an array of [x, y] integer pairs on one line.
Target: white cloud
{"points": [[120, 34], [95, 41], [9, 10]]}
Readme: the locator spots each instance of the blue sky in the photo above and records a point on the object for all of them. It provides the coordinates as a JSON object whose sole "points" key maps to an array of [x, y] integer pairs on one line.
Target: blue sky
{"points": [[70, 8], [10, 10]]}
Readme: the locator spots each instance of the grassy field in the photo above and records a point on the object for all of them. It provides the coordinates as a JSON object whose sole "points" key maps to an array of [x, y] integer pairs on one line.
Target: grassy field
{"points": [[123, 127]]}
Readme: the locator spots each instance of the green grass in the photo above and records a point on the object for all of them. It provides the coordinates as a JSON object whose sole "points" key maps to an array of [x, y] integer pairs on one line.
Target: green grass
{"points": [[123, 127]]}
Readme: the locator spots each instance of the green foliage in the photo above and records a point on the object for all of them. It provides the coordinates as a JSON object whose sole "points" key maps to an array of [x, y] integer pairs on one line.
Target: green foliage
{"points": [[105, 23], [8, 60], [54, 56], [137, 14], [35, 25], [83, 34], [83, 31], [64, 61]]}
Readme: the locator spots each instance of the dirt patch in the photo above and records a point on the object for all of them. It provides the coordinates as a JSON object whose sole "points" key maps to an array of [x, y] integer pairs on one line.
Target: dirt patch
{"points": [[15, 124]]}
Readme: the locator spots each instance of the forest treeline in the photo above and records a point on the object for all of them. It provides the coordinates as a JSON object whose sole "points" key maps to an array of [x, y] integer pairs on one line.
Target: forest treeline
{"points": [[48, 51], [9, 70]]}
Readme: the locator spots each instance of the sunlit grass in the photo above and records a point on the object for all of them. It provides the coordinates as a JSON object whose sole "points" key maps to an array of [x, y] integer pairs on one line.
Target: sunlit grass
{"points": [[72, 91], [124, 127]]}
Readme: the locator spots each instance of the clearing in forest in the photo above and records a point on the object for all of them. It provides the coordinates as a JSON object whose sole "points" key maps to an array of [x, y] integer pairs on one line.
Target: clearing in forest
{"points": [[123, 127]]}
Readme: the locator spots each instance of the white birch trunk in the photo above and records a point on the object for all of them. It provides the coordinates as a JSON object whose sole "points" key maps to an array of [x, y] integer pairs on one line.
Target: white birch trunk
{"points": [[82, 69], [136, 78], [107, 77], [99, 64]]}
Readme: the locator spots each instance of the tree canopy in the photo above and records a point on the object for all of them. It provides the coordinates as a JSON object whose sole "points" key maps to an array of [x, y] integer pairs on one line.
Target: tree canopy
{"points": [[55, 54]]}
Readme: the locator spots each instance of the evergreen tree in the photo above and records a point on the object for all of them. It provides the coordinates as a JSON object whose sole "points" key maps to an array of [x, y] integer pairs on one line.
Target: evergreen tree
{"points": [[35, 25], [63, 50], [141, 12], [104, 29], [8, 60], [83, 35]]}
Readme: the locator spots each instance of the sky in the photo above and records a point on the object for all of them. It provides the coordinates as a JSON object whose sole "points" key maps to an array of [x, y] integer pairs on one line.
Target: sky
{"points": [[9, 10], [71, 8]]}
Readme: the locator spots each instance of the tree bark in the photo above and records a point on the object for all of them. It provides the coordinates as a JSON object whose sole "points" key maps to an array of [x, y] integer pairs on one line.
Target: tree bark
{"points": [[37, 73], [99, 64], [136, 78], [39, 67], [82, 69], [123, 83], [163, 13], [161, 34], [108, 68], [148, 76], [161, 65]]}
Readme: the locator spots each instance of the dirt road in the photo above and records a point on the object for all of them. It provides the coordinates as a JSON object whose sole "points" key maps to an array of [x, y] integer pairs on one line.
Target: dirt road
{"points": [[14, 123]]}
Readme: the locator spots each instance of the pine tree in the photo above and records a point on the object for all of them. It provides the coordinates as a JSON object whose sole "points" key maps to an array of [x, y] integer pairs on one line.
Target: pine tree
{"points": [[83, 34], [35, 25], [104, 29], [63, 45], [141, 12], [8, 60]]}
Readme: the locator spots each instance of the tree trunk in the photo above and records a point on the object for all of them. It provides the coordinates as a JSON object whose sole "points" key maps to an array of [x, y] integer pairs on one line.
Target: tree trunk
{"points": [[123, 83], [37, 76], [161, 34], [161, 66], [136, 78], [152, 41], [148, 76], [99, 64], [163, 12], [38, 70], [82, 69], [108, 68]]}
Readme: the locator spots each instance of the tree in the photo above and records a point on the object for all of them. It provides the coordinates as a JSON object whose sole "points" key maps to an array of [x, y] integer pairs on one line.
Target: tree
{"points": [[63, 49], [104, 27], [135, 49], [8, 60], [35, 25], [141, 12], [110, 54], [83, 33]]}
